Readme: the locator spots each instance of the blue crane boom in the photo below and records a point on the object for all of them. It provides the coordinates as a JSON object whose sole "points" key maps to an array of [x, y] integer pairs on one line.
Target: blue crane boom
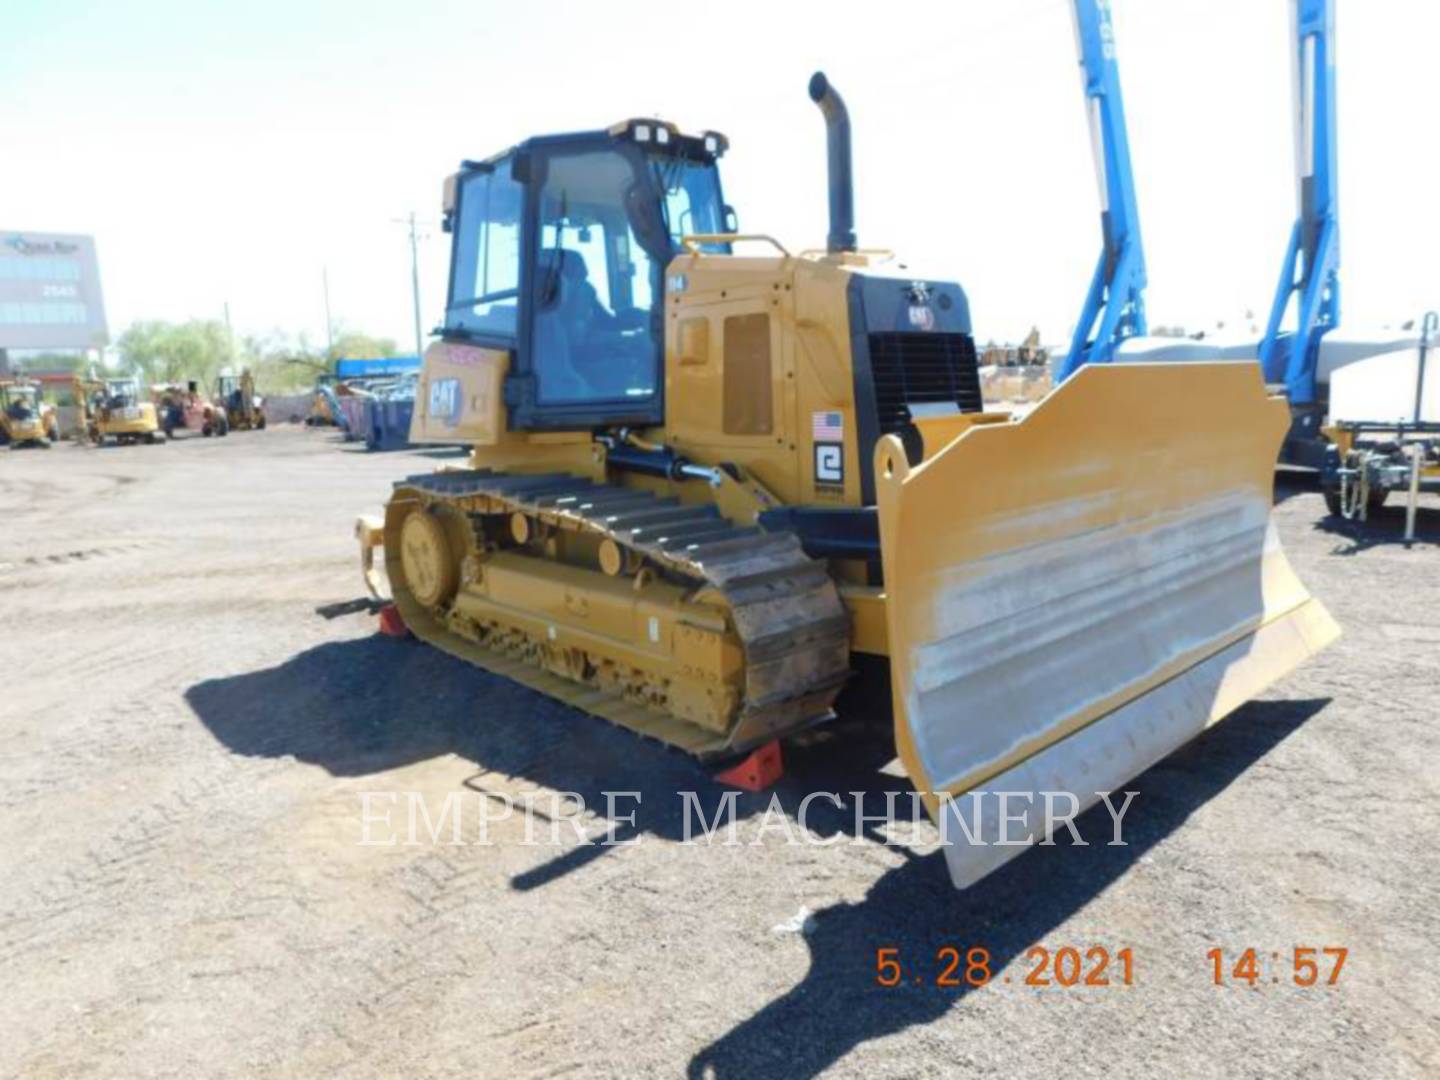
{"points": [[1116, 298], [1312, 258]]}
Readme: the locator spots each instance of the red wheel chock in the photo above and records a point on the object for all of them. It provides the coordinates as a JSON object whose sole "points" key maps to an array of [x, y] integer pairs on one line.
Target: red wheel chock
{"points": [[392, 623], [758, 770]]}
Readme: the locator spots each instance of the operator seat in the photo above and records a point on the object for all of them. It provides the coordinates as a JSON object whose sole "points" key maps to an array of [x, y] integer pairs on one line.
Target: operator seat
{"points": [[568, 313]]}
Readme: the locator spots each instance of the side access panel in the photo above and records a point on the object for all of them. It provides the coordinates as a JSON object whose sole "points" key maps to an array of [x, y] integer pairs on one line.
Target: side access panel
{"points": [[1073, 596], [460, 398]]}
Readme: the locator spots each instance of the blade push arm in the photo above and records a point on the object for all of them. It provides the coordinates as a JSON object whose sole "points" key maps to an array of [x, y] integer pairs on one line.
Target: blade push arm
{"points": [[1115, 303]]}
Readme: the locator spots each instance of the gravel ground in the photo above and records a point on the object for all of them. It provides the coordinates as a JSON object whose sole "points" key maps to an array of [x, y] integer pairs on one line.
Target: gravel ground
{"points": [[185, 742]]}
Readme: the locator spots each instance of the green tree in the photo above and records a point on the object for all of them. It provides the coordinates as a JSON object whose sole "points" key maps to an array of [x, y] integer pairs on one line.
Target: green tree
{"points": [[353, 344], [200, 350], [161, 352], [281, 364], [51, 361]]}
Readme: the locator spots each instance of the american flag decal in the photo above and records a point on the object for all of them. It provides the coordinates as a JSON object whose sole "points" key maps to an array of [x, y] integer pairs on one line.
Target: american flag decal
{"points": [[828, 426]]}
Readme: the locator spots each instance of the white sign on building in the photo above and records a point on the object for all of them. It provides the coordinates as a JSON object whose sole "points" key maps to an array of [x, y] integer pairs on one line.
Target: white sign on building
{"points": [[50, 292]]}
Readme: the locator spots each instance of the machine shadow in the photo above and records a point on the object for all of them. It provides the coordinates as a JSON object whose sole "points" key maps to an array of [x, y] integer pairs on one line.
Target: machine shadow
{"points": [[1384, 527], [1292, 482], [373, 704], [915, 910]]}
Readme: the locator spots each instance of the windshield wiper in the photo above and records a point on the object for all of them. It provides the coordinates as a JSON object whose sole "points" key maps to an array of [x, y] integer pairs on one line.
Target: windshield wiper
{"points": [[552, 282]]}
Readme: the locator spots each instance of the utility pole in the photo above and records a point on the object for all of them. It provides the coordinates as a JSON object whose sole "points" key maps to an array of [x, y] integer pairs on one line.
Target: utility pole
{"points": [[329, 326], [414, 278], [229, 337]]}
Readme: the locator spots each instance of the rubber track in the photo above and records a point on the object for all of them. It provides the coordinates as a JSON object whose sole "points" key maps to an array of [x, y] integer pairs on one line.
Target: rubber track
{"points": [[786, 611]]}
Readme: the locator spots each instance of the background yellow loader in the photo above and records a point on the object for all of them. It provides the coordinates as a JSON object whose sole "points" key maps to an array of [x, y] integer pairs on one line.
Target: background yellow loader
{"points": [[705, 481], [242, 405], [26, 419]]}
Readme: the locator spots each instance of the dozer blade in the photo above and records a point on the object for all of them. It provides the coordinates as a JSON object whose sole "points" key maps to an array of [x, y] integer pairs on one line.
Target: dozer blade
{"points": [[1073, 596]]}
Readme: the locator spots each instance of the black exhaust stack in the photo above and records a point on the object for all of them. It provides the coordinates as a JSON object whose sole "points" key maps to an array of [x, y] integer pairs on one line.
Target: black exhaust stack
{"points": [[842, 184]]}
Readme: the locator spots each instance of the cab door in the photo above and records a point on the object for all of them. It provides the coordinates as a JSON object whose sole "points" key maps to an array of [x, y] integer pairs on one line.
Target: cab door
{"points": [[592, 320]]}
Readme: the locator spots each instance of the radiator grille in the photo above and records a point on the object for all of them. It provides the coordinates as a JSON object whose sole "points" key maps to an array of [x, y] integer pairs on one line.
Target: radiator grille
{"points": [[922, 368]]}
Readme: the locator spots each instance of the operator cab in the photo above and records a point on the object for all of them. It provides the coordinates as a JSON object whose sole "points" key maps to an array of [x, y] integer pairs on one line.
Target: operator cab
{"points": [[121, 393], [20, 401], [227, 388], [559, 253]]}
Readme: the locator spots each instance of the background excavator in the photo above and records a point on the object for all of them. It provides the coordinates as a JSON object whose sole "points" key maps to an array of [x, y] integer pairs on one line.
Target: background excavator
{"points": [[705, 486], [115, 409]]}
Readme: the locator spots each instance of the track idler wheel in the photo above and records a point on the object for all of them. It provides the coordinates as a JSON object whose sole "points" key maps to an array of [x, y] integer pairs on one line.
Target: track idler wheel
{"points": [[430, 566]]}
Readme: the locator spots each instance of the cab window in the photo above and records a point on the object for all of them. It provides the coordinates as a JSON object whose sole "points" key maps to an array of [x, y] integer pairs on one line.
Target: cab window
{"points": [[485, 281], [595, 338], [692, 201]]}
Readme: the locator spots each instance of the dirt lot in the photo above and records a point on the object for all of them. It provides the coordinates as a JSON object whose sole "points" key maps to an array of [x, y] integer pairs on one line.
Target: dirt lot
{"points": [[183, 890]]}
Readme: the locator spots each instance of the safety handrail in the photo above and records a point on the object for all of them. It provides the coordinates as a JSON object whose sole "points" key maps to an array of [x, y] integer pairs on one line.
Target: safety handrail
{"points": [[691, 241], [882, 254]]}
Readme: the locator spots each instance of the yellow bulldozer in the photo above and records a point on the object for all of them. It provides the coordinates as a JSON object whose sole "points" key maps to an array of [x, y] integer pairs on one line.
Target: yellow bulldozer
{"points": [[26, 419], [704, 483], [116, 409]]}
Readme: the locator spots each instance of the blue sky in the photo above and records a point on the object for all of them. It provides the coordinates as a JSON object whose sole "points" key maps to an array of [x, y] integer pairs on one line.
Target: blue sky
{"points": [[225, 152]]}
